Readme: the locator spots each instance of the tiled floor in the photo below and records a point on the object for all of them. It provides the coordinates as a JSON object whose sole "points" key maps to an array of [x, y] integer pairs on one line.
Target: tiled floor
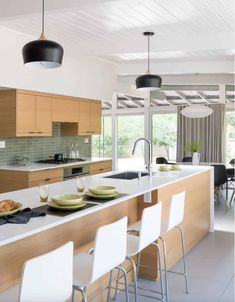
{"points": [[210, 266]]}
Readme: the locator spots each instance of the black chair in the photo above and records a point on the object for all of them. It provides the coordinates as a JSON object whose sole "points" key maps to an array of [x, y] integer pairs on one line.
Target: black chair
{"points": [[161, 160], [187, 159], [220, 179]]}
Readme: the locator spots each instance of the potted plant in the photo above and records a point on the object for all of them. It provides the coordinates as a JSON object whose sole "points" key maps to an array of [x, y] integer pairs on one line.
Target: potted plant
{"points": [[194, 148]]}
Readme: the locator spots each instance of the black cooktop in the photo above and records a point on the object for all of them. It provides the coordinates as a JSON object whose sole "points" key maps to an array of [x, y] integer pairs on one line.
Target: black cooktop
{"points": [[59, 162]]}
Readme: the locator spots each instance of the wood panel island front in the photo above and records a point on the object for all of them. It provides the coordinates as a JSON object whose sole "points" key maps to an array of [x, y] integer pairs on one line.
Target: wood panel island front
{"points": [[21, 242]]}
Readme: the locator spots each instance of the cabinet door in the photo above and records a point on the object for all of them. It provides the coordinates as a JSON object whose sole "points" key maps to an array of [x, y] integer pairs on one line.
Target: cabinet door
{"points": [[84, 118], [95, 118], [64, 110], [43, 115], [25, 115]]}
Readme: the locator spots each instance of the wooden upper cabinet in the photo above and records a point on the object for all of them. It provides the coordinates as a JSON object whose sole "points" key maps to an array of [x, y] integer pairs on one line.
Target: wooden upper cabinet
{"points": [[84, 118], [25, 114], [28, 113], [43, 119], [33, 115], [95, 121], [89, 118], [64, 110]]}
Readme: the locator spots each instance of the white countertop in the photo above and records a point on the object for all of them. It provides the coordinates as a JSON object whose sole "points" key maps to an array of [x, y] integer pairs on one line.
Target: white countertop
{"points": [[38, 166], [30, 198]]}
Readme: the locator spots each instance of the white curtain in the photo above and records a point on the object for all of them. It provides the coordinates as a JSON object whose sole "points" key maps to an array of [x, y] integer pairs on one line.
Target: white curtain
{"points": [[210, 131]]}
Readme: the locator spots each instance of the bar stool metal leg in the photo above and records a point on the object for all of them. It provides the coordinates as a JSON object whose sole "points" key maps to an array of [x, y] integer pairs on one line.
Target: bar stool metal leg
{"points": [[160, 269], [109, 286], [165, 268], [138, 264], [126, 282], [116, 288], [135, 277], [184, 258]]}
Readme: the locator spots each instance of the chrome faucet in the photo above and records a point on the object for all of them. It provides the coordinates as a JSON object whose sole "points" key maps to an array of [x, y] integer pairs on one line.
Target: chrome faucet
{"points": [[149, 161]]}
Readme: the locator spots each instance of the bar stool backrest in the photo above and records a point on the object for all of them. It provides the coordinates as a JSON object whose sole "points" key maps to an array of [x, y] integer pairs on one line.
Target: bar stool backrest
{"points": [[176, 212], [48, 277], [150, 225], [110, 247]]}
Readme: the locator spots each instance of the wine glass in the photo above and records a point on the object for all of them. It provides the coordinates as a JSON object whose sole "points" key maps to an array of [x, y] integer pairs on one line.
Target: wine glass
{"points": [[80, 183], [44, 192]]}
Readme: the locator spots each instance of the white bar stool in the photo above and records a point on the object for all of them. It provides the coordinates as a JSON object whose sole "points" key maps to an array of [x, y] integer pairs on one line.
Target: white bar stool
{"points": [[109, 251], [176, 216], [48, 277], [149, 231]]}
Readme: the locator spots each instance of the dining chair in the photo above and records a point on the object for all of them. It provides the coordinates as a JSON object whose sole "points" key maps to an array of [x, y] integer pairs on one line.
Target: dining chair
{"points": [[188, 159], [161, 160], [220, 179]]}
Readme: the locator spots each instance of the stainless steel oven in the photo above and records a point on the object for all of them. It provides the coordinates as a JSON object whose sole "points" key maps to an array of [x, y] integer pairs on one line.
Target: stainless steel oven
{"points": [[75, 171]]}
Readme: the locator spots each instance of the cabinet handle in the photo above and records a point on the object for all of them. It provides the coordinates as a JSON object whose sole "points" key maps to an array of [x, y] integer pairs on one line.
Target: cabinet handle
{"points": [[31, 132], [47, 179]]}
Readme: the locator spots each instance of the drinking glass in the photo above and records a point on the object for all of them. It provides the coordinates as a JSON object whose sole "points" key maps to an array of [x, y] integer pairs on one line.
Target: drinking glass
{"points": [[44, 192], [80, 183]]}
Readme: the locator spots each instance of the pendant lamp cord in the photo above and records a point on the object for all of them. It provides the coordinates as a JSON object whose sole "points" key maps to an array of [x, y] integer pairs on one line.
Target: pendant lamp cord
{"points": [[43, 12], [148, 70]]}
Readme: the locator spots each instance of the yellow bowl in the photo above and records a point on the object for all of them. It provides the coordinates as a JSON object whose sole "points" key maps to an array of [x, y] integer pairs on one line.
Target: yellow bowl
{"points": [[103, 190], [67, 199]]}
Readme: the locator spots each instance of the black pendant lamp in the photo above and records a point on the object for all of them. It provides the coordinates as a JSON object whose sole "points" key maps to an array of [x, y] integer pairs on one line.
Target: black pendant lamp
{"points": [[43, 53], [148, 81]]}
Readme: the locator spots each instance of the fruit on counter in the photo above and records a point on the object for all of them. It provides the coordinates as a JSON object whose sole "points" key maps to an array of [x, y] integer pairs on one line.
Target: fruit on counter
{"points": [[175, 168], [164, 168]]}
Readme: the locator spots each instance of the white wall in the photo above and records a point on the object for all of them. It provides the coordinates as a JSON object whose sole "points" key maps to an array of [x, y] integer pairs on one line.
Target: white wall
{"points": [[84, 76]]}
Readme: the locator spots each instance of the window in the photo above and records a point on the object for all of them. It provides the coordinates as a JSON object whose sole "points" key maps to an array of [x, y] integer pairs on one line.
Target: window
{"points": [[164, 135], [130, 127], [102, 144], [230, 135]]}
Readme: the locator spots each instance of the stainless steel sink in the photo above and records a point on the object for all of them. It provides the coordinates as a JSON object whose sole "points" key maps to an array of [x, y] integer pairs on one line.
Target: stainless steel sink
{"points": [[126, 175]]}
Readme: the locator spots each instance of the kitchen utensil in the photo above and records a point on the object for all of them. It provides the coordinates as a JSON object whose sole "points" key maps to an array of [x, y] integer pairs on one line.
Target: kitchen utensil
{"points": [[58, 157]]}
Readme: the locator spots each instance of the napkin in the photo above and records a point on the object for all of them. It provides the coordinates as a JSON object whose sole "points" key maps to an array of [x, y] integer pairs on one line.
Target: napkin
{"points": [[21, 217]]}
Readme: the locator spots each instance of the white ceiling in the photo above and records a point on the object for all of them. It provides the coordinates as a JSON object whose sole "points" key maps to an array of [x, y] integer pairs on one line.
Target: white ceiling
{"points": [[196, 31]]}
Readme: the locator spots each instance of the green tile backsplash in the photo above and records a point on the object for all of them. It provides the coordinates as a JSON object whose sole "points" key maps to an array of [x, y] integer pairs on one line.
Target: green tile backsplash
{"points": [[37, 148]]}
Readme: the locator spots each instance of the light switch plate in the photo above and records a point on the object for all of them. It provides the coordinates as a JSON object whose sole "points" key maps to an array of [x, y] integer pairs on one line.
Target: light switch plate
{"points": [[2, 144], [86, 140]]}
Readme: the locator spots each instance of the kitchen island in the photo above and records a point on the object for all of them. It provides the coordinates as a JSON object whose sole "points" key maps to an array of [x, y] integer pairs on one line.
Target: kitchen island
{"points": [[21, 242]]}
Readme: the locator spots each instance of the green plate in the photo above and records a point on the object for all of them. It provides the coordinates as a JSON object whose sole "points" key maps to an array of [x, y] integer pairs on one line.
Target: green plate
{"points": [[67, 199], [102, 196], [66, 208], [102, 190], [11, 212]]}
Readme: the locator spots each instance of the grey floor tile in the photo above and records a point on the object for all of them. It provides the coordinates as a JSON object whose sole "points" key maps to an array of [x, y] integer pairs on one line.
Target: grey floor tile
{"points": [[210, 267], [228, 294]]}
